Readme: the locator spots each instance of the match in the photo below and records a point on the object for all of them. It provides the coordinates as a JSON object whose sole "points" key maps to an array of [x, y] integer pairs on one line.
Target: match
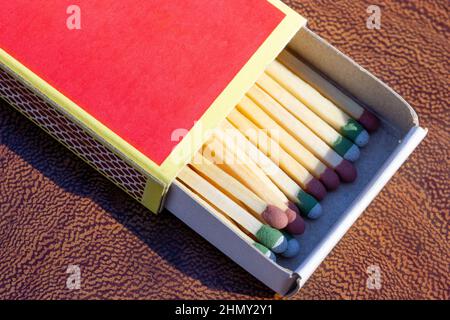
{"points": [[326, 88], [266, 235], [344, 147], [238, 166], [293, 247], [323, 107], [270, 148], [307, 204], [242, 234], [304, 135], [269, 213], [316, 167], [248, 173]]}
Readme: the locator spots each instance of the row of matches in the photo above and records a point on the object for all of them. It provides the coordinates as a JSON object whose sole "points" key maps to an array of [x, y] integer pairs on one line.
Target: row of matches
{"points": [[278, 153]]}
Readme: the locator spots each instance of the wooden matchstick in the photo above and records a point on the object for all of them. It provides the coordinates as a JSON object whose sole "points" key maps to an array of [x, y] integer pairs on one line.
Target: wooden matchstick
{"points": [[316, 167], [347, 149], [307, 204], [269, 213], [323, 107], [266, 235], [326, 88], [303, 134], [247, 236], [275, 152], [234, 161]]}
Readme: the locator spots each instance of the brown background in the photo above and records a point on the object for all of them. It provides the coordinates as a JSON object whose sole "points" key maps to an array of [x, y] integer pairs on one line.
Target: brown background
{"points": [[55, 210]]}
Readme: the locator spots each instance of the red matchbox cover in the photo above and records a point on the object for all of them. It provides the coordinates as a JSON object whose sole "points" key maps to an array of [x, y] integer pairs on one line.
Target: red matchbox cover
{"points": [[142, 68]]}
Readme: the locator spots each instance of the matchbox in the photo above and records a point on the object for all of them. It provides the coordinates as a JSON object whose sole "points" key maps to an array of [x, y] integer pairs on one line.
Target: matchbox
{"points": [[117, 100], [389, 147]]}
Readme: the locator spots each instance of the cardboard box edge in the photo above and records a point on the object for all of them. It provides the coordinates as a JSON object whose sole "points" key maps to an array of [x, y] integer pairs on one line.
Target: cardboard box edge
{"points": [[340, 228]]}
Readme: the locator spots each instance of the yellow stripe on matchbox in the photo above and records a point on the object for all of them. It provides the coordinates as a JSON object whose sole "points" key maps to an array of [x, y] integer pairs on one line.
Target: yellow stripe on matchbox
{"points": [[153, 195], [164, 175]]}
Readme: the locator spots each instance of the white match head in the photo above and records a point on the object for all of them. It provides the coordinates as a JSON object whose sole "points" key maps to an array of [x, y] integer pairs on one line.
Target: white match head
{"points": [[362, 139], [352, 154], [265, 251], [315, 212], [293, 248], [280, 246], [269, 254]]}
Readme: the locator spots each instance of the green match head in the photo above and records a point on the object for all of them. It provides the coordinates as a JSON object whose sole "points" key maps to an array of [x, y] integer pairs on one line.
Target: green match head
{"points": [[362, 139], [342, 145], [271, 238], [308, 205], [269, 254], [352, 129]]}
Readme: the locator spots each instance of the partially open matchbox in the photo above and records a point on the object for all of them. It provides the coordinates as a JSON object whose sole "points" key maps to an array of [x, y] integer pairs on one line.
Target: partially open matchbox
{"points": [[134, 90]]}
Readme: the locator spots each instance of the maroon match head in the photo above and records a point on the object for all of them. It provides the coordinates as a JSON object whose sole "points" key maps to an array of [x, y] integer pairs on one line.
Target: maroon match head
{"points": [[347, 171], [369, 121], [297, 226], [275, 217], [330, 179], [316, 189]]}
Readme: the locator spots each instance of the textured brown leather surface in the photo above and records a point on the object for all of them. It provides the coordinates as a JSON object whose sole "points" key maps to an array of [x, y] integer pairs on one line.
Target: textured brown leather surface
{"points": [[56, 211]]}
